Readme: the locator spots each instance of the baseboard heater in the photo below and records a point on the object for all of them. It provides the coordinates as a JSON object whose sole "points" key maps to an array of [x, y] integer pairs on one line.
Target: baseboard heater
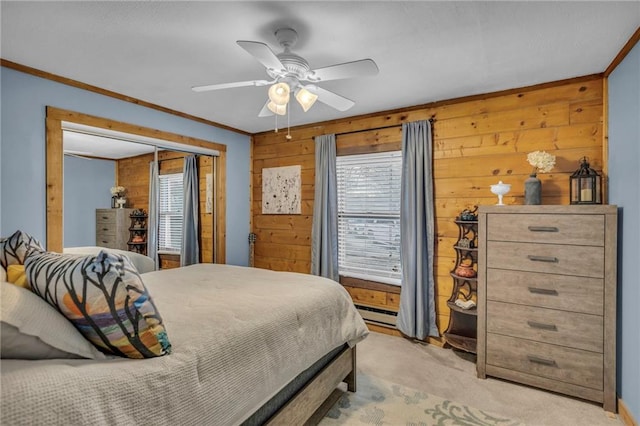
{"points": [[378, 316]]}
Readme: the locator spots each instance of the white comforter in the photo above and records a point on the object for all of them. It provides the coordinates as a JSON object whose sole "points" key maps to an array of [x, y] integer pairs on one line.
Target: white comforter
{"points": [[238, 335]]}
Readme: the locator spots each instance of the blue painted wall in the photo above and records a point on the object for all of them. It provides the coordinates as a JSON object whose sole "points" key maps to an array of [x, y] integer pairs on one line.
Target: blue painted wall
{"points": [[87, 187], [624, 190], [23, 99]]}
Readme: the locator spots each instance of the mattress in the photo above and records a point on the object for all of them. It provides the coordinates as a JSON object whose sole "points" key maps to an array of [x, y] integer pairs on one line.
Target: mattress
{"points": [[239, 335]]}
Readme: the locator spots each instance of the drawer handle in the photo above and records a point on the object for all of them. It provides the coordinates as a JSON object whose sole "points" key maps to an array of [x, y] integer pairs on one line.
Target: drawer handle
{"points": [[105, 242], [543, 229], [105, 229], [547, 291], [542, 258], [543, 361], [105, 217], [542, 326]]}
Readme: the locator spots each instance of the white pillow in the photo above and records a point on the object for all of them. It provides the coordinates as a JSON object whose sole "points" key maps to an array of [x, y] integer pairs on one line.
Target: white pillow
{"points": [[3, 274], [33, 329]]}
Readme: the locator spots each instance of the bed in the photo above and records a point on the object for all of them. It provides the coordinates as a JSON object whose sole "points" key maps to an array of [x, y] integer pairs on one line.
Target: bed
{"points": [[249, 346]]}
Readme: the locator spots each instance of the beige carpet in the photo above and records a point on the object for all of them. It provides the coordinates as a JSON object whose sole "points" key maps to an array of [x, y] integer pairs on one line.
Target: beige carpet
{"points": [[379, 402], [446, 375]]}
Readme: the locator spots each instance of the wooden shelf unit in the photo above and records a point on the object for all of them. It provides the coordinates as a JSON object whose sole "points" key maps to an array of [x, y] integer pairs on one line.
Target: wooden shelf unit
{"points": [[462, 329], [138, 232]]}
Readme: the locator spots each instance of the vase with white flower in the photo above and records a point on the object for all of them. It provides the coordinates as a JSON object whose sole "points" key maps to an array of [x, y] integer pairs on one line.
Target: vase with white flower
{"points": [[542, 162], [117, 196]]}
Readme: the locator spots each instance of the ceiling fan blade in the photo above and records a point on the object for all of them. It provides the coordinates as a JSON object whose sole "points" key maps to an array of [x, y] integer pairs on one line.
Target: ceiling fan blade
{"points": [[359, 68], [265, 112], [230, 85], [263, 54], [332, 99]]}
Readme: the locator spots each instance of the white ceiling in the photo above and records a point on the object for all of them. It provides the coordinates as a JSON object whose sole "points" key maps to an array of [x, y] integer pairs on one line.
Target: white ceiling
{"points": [[426, 51], [93, 146], [88, 141]]}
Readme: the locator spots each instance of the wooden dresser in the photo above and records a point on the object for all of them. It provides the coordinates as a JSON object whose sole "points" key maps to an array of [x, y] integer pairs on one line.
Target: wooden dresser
{"points": [[547, 298], [112, 228]]}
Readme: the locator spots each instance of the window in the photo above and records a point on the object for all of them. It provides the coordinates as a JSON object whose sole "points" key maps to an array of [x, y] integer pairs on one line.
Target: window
{"points": [[170, 213], [369, 216]]}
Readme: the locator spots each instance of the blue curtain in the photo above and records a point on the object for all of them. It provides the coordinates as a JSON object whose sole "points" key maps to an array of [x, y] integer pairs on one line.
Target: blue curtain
{"points": [[324, 231], [190, 253], [417, 315], [154, 206]]}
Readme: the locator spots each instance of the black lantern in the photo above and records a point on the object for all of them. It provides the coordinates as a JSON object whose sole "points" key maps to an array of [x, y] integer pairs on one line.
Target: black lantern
{"points": [[585, 185]]}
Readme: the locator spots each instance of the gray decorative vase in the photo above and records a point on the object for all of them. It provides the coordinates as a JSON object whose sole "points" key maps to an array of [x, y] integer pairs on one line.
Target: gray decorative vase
{"points": [[532, 190]]}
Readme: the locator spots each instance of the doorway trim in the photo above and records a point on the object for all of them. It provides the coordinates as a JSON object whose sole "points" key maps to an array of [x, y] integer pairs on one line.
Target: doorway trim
{"points": [[54, 172]]}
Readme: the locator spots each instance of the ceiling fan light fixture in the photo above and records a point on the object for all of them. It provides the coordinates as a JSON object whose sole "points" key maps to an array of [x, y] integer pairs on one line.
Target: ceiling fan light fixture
{"points": [[277, 109], [290, 73], [279, 93], [305, 98]]}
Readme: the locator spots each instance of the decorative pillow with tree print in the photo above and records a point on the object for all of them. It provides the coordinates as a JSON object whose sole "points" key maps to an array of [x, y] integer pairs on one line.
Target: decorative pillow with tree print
{"points": [[104, 297], [14, 250]]}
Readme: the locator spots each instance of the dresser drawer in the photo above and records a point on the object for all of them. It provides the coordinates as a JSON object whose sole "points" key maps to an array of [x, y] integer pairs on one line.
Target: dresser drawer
{"points": [[105, 217], [568, 365], [572, 229], [575, 294], [109, 241], [547, 258], [105, 229], [571, 329]]}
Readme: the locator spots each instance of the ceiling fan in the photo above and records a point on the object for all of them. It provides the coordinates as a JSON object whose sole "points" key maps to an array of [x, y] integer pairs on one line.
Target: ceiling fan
{"points": [[291, 74]]}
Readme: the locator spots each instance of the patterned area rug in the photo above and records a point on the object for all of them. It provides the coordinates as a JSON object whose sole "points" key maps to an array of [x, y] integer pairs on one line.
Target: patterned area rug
{"points": [[378, 402]]}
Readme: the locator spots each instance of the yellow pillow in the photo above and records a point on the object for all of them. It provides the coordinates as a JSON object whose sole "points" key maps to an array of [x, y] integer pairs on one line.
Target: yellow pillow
{"points": [[16, 275]]}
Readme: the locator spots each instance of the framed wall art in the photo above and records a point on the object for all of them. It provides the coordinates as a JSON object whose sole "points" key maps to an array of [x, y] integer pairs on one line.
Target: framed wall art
{"points": [[281, 190]]}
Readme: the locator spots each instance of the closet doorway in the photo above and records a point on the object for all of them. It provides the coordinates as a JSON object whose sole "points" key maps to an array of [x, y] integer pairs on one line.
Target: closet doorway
{"points": [[58, 121]]}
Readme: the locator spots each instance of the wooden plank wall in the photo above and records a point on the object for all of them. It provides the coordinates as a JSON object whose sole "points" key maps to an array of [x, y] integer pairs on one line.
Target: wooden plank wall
{"points": [[477, 141], [133, 174]]}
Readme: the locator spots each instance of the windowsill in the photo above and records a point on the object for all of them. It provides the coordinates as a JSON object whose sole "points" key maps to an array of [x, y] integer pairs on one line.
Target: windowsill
{"points": [[171, 253], [372, 278], [369, 285]]}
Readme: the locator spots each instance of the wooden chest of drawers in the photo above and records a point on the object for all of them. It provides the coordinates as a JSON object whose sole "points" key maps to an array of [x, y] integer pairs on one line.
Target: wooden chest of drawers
{"points": [[112, 228], [547, 298]]}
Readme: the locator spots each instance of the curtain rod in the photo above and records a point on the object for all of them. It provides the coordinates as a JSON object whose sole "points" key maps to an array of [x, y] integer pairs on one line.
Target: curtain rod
{"points": [[185, 155], [431, 120]]}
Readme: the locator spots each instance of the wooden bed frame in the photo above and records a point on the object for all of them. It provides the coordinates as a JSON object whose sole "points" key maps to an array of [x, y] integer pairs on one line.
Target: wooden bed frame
{"points": [[311, 403]]}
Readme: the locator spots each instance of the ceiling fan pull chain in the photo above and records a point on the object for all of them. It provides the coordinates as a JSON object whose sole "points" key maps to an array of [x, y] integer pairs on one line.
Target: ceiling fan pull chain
{"points": [[288, 125], [276, 115]]}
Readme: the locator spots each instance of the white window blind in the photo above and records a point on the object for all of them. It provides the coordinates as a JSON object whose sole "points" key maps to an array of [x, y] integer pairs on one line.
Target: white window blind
{"points": [[170, 214], [369, 216]]}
